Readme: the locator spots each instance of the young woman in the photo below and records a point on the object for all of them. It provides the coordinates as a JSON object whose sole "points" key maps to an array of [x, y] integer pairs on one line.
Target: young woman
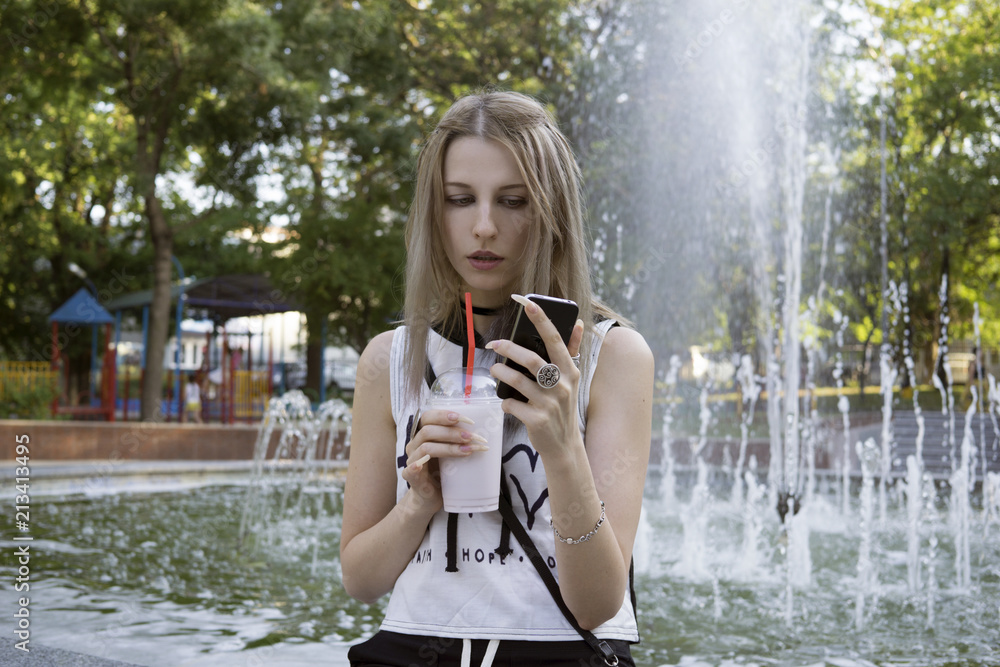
{"points": [[497, 213]]}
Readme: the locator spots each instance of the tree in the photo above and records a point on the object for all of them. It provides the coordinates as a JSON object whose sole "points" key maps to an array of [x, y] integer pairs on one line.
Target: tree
{"points": [[348, 164], [192, 77], [941, 62], [59, 184]]}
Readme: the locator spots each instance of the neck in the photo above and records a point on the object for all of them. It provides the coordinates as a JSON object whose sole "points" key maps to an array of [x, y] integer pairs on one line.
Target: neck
{"points": [[483, 316], [482, 322]]}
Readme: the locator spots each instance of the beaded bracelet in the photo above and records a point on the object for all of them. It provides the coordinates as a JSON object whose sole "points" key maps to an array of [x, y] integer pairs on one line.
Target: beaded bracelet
{"points": [[584, 538]]}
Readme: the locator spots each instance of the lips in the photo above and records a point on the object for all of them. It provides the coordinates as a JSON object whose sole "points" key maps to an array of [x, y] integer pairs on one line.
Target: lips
{"points": [[484, 260]]}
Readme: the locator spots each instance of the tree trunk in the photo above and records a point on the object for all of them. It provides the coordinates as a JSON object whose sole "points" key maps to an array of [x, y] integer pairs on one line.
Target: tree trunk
{"points": [[152, 128], [159, 310], [314, 320], [940, 330], [314, 353]]}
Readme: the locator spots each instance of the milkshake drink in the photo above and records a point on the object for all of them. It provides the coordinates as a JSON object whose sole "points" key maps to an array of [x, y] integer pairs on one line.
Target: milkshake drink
{"points": [[471, 483]]}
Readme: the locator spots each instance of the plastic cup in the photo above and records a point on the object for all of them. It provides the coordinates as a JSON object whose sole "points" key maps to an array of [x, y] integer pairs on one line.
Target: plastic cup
{"points": [[471, 483]]}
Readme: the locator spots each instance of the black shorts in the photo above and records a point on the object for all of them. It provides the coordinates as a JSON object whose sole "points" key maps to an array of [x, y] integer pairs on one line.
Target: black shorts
{"points": [[392, 649]]}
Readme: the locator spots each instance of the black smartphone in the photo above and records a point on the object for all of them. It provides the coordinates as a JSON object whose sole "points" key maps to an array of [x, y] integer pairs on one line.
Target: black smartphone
{"points": [[563, 314]]}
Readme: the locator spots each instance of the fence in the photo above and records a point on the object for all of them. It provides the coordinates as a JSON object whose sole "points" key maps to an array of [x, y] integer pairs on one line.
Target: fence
{"points": [[26, 376], [251, 392]]}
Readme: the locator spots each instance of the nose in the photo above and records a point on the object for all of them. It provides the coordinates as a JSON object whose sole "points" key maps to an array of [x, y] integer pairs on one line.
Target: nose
{"points": [[485, 227]]}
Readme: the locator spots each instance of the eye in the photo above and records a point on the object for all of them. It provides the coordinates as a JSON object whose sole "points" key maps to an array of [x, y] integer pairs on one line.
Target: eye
{"points": [[460, 200], [514, 202]]}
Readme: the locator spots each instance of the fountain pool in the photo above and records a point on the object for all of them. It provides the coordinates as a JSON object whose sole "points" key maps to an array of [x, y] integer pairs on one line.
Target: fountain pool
{"points": [[160, 578]]}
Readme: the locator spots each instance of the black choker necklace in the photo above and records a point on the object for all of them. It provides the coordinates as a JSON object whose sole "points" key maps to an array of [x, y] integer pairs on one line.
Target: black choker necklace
{"points": [[478, 310]]}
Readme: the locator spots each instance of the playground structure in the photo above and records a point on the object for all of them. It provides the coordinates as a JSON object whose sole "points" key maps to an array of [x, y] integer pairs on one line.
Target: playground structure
{"points": [[235, 384], [231, 389], [83, 310]]}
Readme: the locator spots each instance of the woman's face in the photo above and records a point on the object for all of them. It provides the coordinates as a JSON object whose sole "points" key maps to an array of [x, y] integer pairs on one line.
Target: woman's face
{"points": [[486, 218]]}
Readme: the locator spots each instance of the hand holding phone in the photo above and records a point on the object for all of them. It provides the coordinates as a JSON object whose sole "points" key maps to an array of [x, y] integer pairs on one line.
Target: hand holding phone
{"points": [[562, 313]]}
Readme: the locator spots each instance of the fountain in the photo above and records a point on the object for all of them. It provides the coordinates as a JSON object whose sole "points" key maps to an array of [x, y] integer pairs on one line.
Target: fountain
{"points": [[835, 577], [291, 482]]}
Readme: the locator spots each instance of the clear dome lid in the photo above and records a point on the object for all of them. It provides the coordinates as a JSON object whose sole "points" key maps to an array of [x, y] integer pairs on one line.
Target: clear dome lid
{"points": [[451, 384]]}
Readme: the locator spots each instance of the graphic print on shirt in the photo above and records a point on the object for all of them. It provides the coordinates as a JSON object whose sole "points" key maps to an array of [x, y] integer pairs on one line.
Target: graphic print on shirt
{"points": [[466, 536], [530, 508], [401, 459], [529, 452]]}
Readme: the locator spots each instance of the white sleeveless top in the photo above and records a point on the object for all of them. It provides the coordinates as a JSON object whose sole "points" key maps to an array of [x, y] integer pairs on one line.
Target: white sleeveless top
{"points": [[486, 596]]}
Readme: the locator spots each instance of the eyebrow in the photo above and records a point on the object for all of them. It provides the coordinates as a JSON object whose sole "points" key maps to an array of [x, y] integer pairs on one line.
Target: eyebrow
{"points": [[512, 186]]}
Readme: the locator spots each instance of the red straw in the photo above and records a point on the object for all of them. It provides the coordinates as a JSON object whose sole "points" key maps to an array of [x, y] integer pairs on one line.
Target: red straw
{"points": [[472, 344]]}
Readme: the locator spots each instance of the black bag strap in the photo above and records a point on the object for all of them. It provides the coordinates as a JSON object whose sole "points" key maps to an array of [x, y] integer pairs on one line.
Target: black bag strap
{"points": [[601, 647]]}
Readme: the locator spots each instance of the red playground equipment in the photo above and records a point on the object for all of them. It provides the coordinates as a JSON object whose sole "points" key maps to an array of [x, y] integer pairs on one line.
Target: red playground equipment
{"points": [[82, 310]]}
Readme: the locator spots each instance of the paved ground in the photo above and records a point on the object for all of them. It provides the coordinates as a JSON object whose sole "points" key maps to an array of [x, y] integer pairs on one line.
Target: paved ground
{"points": [[52, 657], [305, 655]]}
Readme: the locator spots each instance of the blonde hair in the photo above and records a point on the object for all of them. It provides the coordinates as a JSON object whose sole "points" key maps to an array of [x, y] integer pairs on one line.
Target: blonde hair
{"points": [[549, 168]]}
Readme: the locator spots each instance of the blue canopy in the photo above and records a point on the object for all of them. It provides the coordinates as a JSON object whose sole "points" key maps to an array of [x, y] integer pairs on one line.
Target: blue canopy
{"points": [[82, 308]]}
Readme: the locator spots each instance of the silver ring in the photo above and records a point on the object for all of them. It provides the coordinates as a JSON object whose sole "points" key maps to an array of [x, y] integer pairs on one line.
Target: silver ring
{"points": [[548, 376], [576, 360]]}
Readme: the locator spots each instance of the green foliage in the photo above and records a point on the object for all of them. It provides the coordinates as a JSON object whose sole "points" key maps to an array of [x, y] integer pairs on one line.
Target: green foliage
{"points": [[202, 129], [348, 164], [328, 99], [20, 401], [59, 169], [941, 97]]}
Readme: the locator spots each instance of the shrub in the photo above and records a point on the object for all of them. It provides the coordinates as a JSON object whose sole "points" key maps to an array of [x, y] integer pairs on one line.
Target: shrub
{"points": [[26, 401]]}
